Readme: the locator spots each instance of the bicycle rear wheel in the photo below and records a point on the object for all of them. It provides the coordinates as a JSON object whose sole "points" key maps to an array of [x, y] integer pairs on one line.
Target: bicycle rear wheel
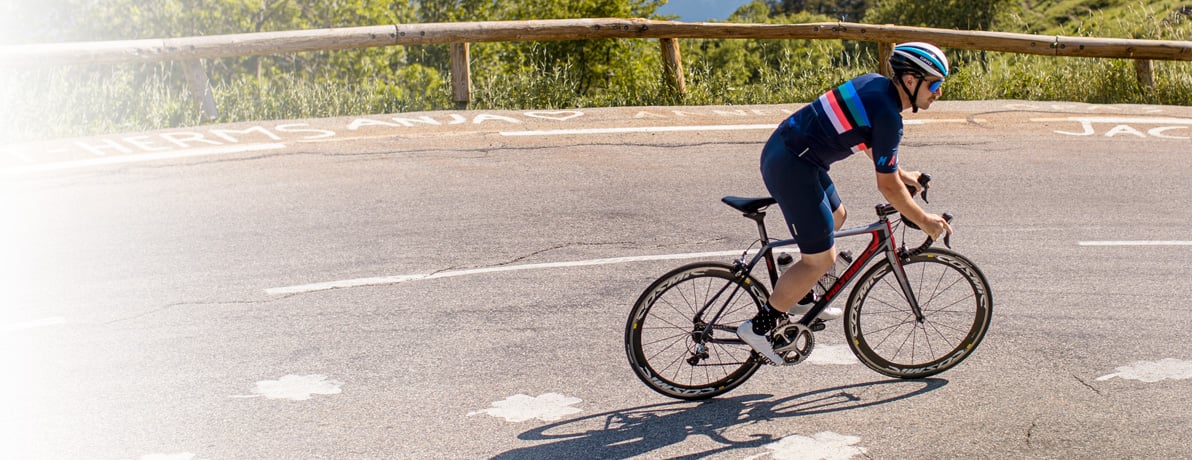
{"points": [[667, 340], [957, 306]]}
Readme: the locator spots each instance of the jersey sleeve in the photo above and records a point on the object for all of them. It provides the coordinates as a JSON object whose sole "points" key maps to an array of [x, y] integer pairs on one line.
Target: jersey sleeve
{"points": [[887, 134]]}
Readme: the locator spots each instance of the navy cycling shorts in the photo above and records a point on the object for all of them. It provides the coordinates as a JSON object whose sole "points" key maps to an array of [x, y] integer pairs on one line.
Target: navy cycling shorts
{"points": [[805, 194]]}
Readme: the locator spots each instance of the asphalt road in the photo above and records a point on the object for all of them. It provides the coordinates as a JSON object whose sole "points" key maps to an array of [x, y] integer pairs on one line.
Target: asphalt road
{"points": [[456, 285]]}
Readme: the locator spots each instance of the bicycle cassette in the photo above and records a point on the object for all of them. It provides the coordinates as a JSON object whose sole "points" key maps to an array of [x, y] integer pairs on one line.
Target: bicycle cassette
{"points": [[794, 342]]}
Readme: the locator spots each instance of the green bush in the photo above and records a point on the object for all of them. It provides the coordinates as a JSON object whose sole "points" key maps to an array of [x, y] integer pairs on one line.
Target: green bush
{"points": [[59, 102]]}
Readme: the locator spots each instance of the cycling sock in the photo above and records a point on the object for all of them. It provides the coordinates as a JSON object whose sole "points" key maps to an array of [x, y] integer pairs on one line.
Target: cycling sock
{"points": [[766, 319]]}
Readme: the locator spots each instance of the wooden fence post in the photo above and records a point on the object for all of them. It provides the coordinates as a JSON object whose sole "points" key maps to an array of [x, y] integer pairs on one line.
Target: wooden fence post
{"points": [[1145, 73], [200, 89], [884, 51], [672, 65], [461, 75]]}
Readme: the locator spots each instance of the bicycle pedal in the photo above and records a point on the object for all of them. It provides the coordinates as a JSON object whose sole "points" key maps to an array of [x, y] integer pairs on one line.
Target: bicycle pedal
{"points": [[818, 325]]}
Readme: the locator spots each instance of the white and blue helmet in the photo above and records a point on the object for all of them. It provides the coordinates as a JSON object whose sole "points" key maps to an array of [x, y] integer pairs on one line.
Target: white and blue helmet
{"points": [[919, 58]]}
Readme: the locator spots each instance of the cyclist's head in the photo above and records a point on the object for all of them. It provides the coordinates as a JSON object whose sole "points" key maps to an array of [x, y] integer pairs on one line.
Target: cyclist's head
{"points": [[921, 59]]}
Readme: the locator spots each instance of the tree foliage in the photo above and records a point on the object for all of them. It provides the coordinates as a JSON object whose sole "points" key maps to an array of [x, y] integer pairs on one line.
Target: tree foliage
{"points": [[844, 10], [943, 14]]}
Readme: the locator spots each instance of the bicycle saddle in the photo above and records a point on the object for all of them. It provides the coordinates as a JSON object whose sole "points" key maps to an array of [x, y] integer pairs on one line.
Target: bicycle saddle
{"points": [[748, 205]]}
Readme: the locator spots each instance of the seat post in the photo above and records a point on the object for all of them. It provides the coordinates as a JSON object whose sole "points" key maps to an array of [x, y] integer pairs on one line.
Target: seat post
{"points": [[760, 218]]}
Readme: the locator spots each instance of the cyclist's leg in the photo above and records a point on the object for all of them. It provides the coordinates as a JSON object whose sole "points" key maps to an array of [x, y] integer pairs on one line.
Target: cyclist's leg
{"points": [[797, 281], [797, 187], [839, 214], [810, 206]]}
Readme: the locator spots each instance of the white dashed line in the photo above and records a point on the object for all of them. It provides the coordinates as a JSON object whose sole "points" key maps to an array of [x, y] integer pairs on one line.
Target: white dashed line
{"points": [[383, 280], [44, 322], [1135, 243], [125, 159], [663, 129], [643, 129]]}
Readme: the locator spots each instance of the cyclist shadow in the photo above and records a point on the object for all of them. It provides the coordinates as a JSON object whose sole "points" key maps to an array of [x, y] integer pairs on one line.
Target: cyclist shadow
{"points": [[636, 431]]}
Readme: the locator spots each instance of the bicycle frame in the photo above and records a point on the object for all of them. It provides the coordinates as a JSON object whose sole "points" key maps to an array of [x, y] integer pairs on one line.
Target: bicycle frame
{"points": [[882, 241]]}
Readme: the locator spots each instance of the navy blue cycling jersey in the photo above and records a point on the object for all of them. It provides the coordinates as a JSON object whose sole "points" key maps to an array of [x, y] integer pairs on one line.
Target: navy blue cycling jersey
{"points": [[863, 113]]}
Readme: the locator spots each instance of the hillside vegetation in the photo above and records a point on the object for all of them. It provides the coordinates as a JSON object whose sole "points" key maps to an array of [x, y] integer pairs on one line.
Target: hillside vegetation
{"points": [[80, 100]]}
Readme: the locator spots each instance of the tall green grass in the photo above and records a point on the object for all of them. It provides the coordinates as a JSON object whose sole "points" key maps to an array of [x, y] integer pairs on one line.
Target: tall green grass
{"points": [[51, 103]]}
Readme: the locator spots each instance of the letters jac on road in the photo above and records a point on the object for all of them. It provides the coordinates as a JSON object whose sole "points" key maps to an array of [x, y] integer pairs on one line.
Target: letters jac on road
{"points": [[1160, 128]]}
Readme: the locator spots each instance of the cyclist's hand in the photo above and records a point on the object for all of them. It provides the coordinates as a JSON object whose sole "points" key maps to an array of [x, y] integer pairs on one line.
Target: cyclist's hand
{"points": [[911, 179], [936, 227]]}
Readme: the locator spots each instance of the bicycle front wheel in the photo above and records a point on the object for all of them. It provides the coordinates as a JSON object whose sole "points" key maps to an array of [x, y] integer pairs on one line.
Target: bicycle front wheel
{"points": [[681, 337], [957, 306]]}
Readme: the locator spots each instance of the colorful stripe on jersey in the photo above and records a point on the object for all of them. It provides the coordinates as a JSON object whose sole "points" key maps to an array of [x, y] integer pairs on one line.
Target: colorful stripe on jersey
{"points": [[845, 110]]}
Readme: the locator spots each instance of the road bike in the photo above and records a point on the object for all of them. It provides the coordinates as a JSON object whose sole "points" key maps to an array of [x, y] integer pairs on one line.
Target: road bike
{"points": [[915, 313]]}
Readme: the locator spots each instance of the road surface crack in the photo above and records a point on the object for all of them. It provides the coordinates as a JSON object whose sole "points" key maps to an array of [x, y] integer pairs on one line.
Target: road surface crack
{"points": [[1086, 384]]}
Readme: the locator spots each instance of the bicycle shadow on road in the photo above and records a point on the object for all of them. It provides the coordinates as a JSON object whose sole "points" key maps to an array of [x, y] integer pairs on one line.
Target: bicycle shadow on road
{"points": [[637, 431]]}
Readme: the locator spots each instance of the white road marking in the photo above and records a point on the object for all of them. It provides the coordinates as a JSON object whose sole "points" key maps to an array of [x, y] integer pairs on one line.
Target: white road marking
{"points": [[1135, 243], [519, 408], [1121, 120], [177, 456], [840, 355], [824, 445], [642, 129], [142, 158], [1153, 371], [383, 280], [295, 387], [661, 129], [44, 322], [19, 155]]}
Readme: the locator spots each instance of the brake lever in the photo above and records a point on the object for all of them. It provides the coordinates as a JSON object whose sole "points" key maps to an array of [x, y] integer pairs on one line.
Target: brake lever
{"points": [[924, 178], [947, 236]]}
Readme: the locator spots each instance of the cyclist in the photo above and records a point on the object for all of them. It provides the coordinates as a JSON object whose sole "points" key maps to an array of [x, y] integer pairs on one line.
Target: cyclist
{"points": [[861, 115]]}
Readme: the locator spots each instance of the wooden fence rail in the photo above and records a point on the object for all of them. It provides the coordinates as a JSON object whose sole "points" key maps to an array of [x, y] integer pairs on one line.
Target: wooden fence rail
{"points": [[459, 35]]}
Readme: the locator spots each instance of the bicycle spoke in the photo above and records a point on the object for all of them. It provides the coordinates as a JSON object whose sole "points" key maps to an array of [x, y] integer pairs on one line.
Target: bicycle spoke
{"points": [[678, 337], [661, 342], [951, 298]]}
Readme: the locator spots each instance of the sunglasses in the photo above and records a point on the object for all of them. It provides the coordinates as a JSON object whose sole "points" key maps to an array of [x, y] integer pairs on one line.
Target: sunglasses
{"points": [[935, 85]]}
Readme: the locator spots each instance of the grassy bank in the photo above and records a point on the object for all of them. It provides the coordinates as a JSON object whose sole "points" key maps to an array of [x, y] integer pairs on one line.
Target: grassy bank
{"points": [[66, 102]]}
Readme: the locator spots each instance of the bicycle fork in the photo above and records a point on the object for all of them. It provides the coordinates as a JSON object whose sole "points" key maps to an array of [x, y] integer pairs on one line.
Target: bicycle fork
{"points": [[895, 256]]}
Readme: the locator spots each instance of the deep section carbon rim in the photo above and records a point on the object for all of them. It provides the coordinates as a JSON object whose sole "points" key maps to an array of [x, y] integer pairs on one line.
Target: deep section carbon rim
{"points": [[956, 302], [673, 351]]}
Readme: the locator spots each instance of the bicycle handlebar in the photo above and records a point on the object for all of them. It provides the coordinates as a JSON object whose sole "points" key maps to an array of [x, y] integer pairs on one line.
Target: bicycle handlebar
{"points": [[924, 179]]}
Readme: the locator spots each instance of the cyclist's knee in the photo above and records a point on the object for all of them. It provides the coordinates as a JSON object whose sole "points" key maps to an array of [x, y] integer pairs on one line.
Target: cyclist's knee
{"points": [[820, 261]]}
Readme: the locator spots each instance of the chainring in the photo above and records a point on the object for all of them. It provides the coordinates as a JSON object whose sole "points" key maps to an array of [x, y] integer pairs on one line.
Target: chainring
{"points": [[794, 342]]}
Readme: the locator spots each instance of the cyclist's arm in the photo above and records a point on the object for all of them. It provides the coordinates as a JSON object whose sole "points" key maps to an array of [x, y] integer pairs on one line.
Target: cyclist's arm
{"points": [[894, 190]]}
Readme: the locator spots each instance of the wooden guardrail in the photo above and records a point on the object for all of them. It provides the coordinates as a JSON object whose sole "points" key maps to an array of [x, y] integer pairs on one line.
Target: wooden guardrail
{"points": [[459, 35]]}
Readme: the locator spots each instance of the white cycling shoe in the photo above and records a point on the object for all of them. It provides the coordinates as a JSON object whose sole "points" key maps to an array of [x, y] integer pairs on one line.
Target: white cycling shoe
{"points": [[761, 344]]}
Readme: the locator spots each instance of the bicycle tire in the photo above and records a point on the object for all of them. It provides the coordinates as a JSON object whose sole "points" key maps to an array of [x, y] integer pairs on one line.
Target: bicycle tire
{"points": [[660, 335], [956, 302]]}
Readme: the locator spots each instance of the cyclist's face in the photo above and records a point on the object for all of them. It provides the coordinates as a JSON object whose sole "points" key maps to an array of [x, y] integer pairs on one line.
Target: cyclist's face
{"points": [[930, 89]]}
